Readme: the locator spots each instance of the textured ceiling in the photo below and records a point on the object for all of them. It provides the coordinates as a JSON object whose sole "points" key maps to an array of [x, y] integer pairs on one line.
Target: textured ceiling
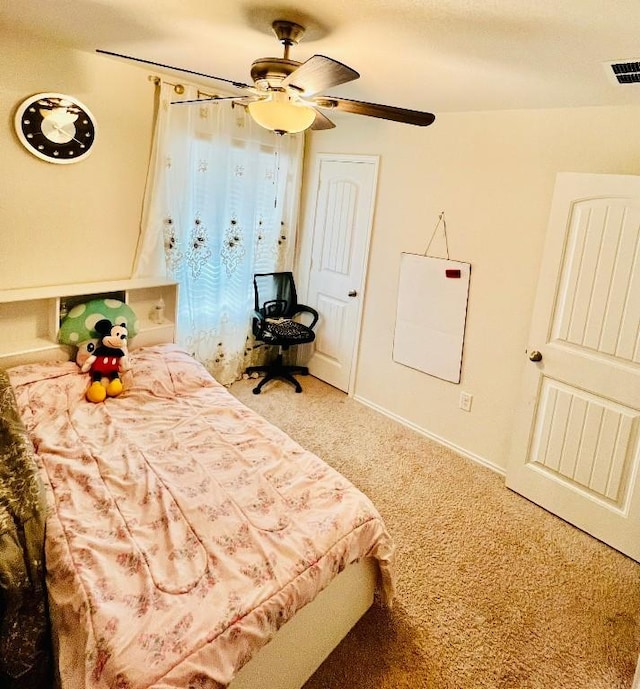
{"points": [[434, 55]]}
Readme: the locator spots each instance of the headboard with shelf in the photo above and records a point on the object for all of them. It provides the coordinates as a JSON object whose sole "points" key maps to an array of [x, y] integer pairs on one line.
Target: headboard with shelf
{"points": [[67, 302], [30, 318]]}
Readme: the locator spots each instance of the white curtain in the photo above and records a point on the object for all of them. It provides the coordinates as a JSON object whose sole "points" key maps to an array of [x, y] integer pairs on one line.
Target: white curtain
{"points": [[221, 204]]}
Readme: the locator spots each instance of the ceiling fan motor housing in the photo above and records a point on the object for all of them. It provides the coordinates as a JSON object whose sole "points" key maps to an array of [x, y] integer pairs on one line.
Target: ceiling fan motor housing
{"points": [[269, 72]]}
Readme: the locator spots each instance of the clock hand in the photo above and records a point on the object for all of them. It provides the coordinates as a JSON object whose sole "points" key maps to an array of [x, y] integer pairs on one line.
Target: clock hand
{"points": [[62, 130]]}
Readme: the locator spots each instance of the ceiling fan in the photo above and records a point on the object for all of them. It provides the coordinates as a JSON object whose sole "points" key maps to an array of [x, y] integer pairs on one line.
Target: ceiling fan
{"points": [[285, 95]]}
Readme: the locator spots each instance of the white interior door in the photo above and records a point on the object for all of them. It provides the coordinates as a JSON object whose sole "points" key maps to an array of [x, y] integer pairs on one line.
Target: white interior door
{"points": [[576, 446], [340, 228]]}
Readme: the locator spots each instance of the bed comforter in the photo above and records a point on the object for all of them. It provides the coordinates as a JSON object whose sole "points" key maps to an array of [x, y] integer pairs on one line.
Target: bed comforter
{"points": [[184, 529]]}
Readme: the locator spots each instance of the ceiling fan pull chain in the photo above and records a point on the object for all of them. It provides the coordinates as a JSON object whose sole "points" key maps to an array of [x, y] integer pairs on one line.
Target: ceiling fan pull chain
{"points": [[443, 220]]}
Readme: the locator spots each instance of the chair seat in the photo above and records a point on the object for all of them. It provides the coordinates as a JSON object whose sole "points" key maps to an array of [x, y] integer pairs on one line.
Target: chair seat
{"points": [[290, 332]]}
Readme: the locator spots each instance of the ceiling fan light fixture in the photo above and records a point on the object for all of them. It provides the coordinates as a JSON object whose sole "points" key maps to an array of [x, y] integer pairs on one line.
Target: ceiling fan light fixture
{"points": [[281, 115]]}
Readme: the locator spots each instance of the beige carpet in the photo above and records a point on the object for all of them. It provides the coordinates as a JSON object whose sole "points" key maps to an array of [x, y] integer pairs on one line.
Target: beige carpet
{"points": [[493, 592]]}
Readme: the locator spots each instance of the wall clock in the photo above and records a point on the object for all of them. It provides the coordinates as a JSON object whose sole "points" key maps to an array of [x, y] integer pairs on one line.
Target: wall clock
{"points": [[55, 127]]}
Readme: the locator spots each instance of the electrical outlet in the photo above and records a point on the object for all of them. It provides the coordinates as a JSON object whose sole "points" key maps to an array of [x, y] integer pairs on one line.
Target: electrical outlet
{"points": [[465, 401]]}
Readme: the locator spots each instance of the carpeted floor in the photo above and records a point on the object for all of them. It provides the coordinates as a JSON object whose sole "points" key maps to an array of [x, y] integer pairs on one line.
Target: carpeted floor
{"points": [[493, 592]]}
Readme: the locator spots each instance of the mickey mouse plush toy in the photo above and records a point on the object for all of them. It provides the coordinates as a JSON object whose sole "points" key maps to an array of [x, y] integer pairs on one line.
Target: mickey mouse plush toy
{"points": [[106, 362]]}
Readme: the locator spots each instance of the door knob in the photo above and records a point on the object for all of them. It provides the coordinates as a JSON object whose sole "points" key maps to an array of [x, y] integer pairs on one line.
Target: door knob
{"points": [[353, 293], [535, 355]]}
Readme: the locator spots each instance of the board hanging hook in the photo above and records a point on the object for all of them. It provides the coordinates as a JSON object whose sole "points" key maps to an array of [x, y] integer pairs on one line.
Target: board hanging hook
{"points": [[443, 220]]}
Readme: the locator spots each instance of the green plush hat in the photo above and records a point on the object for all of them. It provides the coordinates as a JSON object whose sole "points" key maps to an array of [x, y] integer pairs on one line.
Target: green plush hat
{"points": [[79, 324]]}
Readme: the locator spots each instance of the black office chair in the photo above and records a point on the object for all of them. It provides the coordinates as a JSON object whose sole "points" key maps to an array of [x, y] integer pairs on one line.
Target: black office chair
{"points": [[276, 305]]}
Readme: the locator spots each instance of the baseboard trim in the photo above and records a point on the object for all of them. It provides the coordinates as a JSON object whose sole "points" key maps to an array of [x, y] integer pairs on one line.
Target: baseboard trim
{"points": [[432, 436]]}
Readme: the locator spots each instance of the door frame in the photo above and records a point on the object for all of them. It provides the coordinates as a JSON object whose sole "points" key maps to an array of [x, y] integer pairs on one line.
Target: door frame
{"points": [[306, 235]]}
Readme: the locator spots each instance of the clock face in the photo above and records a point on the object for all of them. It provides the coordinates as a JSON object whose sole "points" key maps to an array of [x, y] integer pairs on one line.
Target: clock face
{"points": [[55, 127]]}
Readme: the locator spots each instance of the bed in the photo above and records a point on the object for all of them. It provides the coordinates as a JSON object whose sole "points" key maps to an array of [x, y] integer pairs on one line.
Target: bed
{"points": [[189, 543]]}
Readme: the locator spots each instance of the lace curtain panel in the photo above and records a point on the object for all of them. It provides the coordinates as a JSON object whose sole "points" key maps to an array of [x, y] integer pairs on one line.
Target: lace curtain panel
{"points": [[221, 204]]}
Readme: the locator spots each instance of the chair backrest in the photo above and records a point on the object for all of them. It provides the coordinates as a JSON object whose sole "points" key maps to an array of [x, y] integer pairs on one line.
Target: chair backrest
{"points": [[275, 294]]}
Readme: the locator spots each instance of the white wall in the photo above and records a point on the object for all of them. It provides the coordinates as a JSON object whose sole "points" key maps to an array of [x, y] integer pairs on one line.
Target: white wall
{"points": [[79, 222], [493, 175]]}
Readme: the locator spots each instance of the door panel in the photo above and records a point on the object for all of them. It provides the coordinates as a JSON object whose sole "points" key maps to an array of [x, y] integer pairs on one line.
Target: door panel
{"points": [[587, 442], [334, 312], [338, 206], [576, 449], [596, 308]]}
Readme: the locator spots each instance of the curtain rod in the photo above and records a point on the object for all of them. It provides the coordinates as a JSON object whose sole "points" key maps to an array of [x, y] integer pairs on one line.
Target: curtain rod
{"points": [[178, 88]]}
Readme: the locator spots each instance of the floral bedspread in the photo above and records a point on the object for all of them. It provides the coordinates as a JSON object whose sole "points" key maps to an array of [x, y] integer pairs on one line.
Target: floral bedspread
{"points": [[184, 529]]}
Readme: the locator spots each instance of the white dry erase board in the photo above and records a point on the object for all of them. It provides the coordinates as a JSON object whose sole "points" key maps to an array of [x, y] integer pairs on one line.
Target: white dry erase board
{"points": [[431, 315]]}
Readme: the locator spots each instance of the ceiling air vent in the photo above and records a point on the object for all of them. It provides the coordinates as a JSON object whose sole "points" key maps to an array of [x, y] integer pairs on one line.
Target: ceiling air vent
{"points": [[624, 72]]}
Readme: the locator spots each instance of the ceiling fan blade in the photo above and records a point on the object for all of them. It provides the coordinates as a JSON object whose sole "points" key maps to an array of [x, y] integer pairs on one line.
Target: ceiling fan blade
{"points": [[237, 84], [321, 122], [319, 73], [204, 99], [385, 112]]}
